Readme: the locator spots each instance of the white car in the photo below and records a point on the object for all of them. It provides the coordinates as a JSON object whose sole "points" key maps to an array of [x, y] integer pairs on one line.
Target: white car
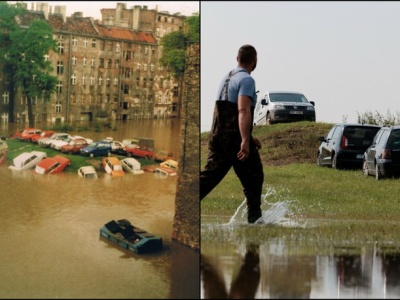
{"points": [[87, 172], [46, 142], [27, 160], [281, 106], [131, 165]]}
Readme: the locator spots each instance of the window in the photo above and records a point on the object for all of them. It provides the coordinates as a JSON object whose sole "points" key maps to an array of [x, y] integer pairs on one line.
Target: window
{"points": [[60, 67], [125, 88], [137, 81], [146, 50], [6, 97], [91, 80], [74, 59], [60, 48], [138, 66], [85, 42], [73, 99], [115, 81], [108, 98], [176, 90], [128, 55], [93, 43], [92, 62], [91, 99], [157, 32], [73, 79], [144, 82], [101, 45], [101, 64], [117, 63], [59, 87], [46, 57], [144, 67], [74, 41], [60, 37], [152, 67], [127, 73], [117, 47], [140, 49], [110, 45], [58, 107], [100, 80], [84, 61], [115, 96], [84, 79], [109, 64], [108, 81]]}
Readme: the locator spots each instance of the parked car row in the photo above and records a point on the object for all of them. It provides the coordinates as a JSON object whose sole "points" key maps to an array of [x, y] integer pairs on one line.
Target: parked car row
{"points": [[374, 149], [141, 147]]}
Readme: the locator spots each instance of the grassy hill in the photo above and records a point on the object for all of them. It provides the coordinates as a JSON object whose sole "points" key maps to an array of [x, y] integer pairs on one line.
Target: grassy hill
{"points": [[284, 143]]}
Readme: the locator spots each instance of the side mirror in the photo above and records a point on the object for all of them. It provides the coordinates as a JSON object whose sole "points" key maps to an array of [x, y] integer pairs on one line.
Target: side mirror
{"points": [[321, 139], [264, 101], [313, 103]]}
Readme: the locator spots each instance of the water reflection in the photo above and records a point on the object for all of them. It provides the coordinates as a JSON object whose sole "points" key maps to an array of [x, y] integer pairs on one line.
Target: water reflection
{"points": [[50, 243], [297, 270], [244, 285]]}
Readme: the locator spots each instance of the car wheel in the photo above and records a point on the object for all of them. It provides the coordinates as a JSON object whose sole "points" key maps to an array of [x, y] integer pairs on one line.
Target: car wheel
{"points": [[319, 160], [365, 168], [335, 163], [268, 120], [91, 155], [378, 174]]}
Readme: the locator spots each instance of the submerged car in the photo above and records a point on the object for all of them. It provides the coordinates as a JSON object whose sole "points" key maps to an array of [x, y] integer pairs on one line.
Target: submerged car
{"points": [[52, 165], [382, 158], [164, 171], [27, 160], [112, 166], [44, 134], [170, 163], [281, 106], [162, 155], [74, 146], [26, 133], [345, 144], [131, 165], [88, 172], [99, 148], [46, 142], [138, 151]]}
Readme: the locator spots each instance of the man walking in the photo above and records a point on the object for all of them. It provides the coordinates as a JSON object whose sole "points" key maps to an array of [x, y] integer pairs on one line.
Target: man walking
{"points": [[231, 143]]}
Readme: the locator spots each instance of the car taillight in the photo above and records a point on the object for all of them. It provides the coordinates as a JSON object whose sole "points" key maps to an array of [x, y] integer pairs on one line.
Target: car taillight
{"points": [[345, 142], [386, 154]]}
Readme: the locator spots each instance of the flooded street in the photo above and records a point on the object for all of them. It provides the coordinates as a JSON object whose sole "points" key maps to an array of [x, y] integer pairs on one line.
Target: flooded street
{"points": [[245, 261], [50, 241]]}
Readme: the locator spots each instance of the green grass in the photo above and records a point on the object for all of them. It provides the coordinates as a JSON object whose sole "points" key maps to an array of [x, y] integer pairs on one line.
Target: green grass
{"points": [[345, 204]]}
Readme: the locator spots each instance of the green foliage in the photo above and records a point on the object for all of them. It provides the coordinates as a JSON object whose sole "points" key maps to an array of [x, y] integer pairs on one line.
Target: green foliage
{"points": [[174, 46], [378, 119]]}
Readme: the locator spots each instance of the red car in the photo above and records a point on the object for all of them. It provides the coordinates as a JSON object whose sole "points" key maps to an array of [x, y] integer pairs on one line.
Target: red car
{"points": [[44, 134], [52, 165], [74, 146], [139, 151], [27, 133]]}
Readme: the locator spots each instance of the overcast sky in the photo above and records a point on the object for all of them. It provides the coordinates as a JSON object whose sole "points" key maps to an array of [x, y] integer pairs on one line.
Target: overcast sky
{"points": [[92, 8], [343, 55]]}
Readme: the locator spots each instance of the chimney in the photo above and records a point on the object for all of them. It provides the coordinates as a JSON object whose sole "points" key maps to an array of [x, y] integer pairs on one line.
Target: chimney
{"points": [[61, 9]]}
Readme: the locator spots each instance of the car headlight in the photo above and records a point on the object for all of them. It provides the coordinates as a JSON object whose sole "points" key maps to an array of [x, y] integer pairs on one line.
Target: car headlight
{"points": [[279, 107], [310, 108]]}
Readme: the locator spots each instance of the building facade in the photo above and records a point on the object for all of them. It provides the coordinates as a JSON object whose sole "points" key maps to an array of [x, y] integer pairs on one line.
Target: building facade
{"points": [[106, 69]]}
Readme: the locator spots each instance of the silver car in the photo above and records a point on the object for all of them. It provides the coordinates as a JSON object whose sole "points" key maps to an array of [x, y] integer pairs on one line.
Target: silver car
{"points": [[277, 107]]}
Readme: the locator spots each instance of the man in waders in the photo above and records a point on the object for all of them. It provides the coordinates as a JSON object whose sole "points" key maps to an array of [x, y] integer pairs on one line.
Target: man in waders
{"points": [[230, 141]]}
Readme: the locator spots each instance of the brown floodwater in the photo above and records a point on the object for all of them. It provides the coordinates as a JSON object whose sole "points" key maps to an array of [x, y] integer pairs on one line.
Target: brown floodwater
{"points": [[241, 261], [50, 245]]}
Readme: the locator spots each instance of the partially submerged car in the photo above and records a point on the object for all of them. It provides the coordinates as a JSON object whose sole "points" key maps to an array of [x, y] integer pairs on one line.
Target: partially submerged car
{"points": [[164, 171], [162, 155], [88, 172], [112, 166], [74, 146], [24, 134], [44, 134], [99, 148], [52, 165], [131, 165], [170, 163], [46, 142], [139, 151], [27, 160]]}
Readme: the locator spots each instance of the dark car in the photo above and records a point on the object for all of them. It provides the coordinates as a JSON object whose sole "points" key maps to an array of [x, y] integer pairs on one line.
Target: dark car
{"points": [[345, 144], [100, 148], [382, 158], [278, 107]]}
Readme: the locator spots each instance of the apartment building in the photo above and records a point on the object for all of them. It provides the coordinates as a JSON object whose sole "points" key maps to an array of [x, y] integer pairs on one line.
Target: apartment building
{"points": [[106, 69]]}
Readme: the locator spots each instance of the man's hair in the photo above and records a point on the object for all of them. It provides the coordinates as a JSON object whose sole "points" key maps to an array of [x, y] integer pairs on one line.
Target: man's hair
{"points": [[247, 54]]}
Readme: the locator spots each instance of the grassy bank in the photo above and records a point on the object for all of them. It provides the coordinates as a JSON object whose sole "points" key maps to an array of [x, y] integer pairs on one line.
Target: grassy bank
{"points": [[16, 147], [344, 204]]}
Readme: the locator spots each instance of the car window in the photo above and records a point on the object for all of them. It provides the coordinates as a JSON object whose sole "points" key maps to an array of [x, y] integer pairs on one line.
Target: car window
{"points": [[394, 139], [287, 97]]}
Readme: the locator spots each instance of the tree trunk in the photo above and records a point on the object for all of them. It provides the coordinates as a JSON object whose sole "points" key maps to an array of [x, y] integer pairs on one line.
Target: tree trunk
{"points": [[30, 114]]}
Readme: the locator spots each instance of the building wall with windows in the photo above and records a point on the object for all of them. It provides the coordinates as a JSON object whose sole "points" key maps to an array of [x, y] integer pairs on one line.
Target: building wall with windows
{"points": [[106, 69]]}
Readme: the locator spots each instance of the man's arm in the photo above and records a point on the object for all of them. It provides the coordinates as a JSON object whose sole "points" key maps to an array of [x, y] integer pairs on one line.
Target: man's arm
{"points": [[244, 108]]}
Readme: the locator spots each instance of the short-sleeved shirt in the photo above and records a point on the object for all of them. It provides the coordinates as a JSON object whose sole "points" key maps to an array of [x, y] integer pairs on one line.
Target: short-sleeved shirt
{"points": [[240, 84]]}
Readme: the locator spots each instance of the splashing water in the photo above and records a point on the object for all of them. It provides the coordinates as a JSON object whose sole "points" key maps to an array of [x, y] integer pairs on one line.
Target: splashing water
{"points": [[272, 213]]}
